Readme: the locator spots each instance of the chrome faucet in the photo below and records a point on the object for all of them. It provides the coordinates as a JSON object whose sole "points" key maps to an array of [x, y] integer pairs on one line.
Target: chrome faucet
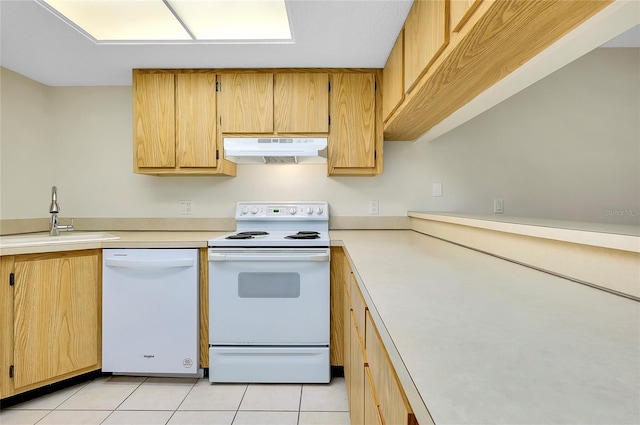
{"points": [[54, 209]]}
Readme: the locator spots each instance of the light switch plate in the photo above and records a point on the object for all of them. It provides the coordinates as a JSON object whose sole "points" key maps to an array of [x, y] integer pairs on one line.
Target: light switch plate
{"points": [[436, 189]]}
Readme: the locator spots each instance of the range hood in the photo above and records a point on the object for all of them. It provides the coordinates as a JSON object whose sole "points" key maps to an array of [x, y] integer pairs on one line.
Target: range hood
{"points": [[275, 150]]}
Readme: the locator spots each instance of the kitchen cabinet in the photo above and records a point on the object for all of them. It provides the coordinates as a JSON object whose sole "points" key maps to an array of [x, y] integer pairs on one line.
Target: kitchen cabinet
{"points": [[445, 69], [174, 118], [372, 414], [356, 375], [393, 405], [355, 138], [245, 103], [301, 103], [274, 103], [337, 315], [50, 318], [460, 12], [181, 116], [373, 389], [393, 78], [426, 34]]}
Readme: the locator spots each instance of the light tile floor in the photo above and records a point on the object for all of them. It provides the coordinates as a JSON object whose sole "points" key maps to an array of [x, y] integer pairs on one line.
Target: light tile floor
{"points": [[173, 401]]}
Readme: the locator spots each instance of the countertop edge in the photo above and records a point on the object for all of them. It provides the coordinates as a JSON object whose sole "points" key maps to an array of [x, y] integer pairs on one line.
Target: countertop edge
{"points": [[574, 232]]}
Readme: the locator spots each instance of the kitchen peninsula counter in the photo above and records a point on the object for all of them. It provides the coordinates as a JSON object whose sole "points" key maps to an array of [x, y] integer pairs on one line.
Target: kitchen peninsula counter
{"points": [[477, 339]]}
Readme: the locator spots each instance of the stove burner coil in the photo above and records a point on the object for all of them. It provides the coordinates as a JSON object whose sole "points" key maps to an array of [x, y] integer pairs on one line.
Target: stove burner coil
{"points": [[304, 234], [239, 236], [247, 235]]}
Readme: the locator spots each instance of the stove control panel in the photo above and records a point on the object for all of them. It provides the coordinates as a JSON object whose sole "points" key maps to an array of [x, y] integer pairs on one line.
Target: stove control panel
{"points": [[316, 210]]}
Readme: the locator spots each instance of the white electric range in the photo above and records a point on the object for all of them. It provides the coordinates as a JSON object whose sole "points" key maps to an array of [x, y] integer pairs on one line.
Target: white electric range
{"points": [[269, 295]]}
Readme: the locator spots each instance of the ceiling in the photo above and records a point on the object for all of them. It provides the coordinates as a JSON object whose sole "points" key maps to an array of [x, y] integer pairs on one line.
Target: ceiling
{"points": [[327, 33]]}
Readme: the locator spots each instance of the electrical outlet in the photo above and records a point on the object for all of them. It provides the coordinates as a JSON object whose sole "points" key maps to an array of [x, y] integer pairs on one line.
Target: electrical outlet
{"points": [[374, 207], [186, 207], [498, 206]]}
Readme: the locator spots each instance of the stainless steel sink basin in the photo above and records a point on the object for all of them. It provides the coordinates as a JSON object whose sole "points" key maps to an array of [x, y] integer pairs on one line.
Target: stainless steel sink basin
{"points": [[66, 238]]}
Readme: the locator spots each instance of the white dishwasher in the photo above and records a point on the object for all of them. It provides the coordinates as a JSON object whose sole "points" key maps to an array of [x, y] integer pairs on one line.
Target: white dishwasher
{"points": [[150, 312]]}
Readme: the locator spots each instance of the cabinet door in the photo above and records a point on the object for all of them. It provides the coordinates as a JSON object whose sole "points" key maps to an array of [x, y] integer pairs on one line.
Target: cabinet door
{"points": [[154, 120], [461, 10], [356, 394], [393, 78], [55, 311], [301, 103], [426, 33], [371, 409], [336, 346], [346, 334], [196, 120], [245, 103], [352, 138], [394, 408]]}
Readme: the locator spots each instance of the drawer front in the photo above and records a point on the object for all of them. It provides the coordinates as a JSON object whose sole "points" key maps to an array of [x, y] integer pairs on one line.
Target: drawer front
{"points": [[393, 405], [358, 306]]}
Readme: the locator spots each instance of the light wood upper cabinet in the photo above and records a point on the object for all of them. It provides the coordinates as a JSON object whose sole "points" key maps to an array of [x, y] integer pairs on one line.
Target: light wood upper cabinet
{"points": [[355, 142], [51, 325], [426, 34], [301, 102], [195, 120], [489, 40], [154, 120], [175, 132], [461, 11], [245, 103], [393, 78]]}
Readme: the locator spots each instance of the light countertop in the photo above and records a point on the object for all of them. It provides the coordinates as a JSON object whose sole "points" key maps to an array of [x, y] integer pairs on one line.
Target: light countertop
{"points": [[475, 339], [614, 236], [479, 340]]}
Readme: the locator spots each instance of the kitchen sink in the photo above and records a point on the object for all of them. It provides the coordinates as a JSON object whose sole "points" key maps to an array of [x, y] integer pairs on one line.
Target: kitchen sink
{"points": [[45, 239]]}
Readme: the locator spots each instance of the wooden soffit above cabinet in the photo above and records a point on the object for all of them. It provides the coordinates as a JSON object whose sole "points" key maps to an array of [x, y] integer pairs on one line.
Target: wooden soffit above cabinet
{"points": [[496, 38]]}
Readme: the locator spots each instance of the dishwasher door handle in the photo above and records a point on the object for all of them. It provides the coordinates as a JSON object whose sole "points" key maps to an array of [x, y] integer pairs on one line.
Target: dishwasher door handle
{"points": [[148, 264]]}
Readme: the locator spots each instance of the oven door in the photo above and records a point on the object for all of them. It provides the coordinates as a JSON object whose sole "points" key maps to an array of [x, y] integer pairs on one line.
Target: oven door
{"points": [[268, 296]]}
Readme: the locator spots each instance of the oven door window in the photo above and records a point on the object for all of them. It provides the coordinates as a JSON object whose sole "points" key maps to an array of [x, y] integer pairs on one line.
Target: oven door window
{"points": [[268, 285]]}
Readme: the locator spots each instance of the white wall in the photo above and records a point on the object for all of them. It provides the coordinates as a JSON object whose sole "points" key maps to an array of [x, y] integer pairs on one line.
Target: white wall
{"points": [[26, 146], [565, 148]]}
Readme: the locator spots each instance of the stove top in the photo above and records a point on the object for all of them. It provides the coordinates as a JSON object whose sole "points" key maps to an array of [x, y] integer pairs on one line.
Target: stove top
{"points": [[277, 238], [278, 224]]}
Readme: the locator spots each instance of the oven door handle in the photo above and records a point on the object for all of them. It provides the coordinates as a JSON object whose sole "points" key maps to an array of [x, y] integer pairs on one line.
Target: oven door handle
{"points": [[269, 257]]}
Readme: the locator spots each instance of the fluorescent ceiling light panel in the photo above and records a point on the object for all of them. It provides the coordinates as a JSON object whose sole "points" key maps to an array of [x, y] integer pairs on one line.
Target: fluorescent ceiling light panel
{"points": [[119, 20], [154, 20], [234, 20]]}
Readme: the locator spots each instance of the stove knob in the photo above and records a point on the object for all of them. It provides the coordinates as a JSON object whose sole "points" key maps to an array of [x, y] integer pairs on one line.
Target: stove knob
{"points": [[244, 211], [254, 210], [319, 210], [309, 210], [292, 211]]}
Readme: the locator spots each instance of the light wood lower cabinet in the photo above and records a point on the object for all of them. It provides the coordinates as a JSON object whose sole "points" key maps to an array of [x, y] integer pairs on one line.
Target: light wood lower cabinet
{"points": [[393, 404], [50, 327], [372, 414], [373, 389]]}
